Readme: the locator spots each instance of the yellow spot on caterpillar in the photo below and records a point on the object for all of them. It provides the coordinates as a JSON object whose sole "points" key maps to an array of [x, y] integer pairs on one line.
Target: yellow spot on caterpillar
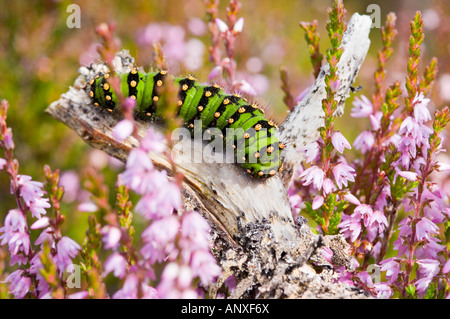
{"points": [[133, 97], [208, 93], [272, 172], [96, 104], [241, 110], [191, 78], [234, 146], [91, 82], [249, 171], [163, 72], [216, 86], [256, 155], [185, 87], [155, 99], [258, 127], [200, 108], [106, 75], [133, 83], [149, 114], [106, 86], [226, 101], [108, 97], [91, 94], [109, 110], [230, 120], [270, 149], [134, 71], [237, 95], [246, 135], [96, 77], [281, 168], [254, 106], [260, 173], [191, 125], [271, 123], [281, 145], [180, 103], [159, 83], [243, 158], [217, 114]]}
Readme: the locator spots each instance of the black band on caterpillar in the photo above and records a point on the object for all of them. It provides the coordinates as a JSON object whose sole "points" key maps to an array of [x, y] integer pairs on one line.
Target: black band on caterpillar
{"points": [[253, 137]]}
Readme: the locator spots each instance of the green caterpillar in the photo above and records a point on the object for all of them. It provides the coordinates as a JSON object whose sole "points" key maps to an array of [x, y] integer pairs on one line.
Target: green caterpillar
{"points": [[254, 137]]}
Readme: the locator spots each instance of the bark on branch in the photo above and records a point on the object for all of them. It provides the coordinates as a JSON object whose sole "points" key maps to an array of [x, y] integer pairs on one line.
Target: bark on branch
{"points": [[256, 237]]}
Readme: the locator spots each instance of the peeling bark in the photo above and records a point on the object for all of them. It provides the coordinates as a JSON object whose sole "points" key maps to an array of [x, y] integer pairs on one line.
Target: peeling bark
{"points": [[255, 236]]}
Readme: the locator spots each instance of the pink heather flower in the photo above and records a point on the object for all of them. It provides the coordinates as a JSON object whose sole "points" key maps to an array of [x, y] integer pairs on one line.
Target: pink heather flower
{"points": [[111, 236], [378, 221], [8, 142], [153, 141], [295, 201], [350, 226], [79, 295], [244, 87], [410, 176], [428, 269], [365, 211], [71, 183], [391, 267], [123, 130], [41, 223], [430, 249], [239, 25], [421, 113], [19, 284], [197, 27], [195, 228], [384, 291], [176, 282], [317, 202], [130, 289], [159, 239], [425, 228], [375, 120], [204, 265], [223, 27], [117, 264], [327, 253], [2, 163], [342, 174], [361, 107], [15, 233], [216, 72], [364, 141], [87, 207], [314, 175], [32, 193], [352, 199], [328, 186], [446, 267], [442, 166], [340, 142], [66, 250], [310, 151]]}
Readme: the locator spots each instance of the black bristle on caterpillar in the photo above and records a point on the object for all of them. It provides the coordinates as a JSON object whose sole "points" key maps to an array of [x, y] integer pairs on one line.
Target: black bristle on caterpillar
{"points": [[255, 138]]}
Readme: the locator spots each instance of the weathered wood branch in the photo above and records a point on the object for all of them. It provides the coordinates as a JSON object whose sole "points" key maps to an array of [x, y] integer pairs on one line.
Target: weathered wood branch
{"points": [[251, 218]]}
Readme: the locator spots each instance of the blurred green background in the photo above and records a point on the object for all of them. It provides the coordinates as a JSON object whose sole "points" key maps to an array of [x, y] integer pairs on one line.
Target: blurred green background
{"points": [[40, 57]]}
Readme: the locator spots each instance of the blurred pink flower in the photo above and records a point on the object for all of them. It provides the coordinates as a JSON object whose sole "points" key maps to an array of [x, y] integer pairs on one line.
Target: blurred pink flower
{"points": [[342, 174], [314, 175], [362, 107], [116, 264], [317, 202], [364, 141], [111, 236]]}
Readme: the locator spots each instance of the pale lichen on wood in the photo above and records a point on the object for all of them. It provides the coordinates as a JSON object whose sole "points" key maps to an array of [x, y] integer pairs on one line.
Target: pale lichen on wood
{"points": [[256, 237]]}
